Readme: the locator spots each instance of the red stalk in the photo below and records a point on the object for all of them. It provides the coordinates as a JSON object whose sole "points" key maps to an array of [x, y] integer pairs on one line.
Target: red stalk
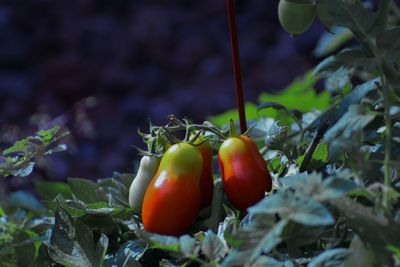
{"points": [[236, 65]]}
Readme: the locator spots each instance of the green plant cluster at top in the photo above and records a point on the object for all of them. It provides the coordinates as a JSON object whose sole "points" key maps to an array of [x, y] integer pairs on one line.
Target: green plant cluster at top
{"points": [[334, 158]]}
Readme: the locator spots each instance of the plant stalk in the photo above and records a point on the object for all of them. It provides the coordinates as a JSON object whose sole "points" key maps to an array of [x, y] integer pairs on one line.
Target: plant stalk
{"points": [[236, 64]]}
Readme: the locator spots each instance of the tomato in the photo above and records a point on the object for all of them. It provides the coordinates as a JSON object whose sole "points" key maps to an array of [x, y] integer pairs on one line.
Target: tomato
{"points": [[172, 199], [147, 169], [296, 18], [244, 172], [206, 179]]}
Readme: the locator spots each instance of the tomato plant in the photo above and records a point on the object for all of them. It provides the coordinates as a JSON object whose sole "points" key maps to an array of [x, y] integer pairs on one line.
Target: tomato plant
{"points": [[335, 197]]}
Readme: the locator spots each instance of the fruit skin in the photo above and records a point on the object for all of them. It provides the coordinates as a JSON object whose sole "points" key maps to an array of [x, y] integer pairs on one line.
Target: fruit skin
{"points": [[172, 199], [296, 18], [244, 172], [147, 169], [206, 179]]}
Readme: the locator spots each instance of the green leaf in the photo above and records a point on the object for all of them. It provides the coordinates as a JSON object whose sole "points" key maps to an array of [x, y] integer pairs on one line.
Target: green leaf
{"points": [[163, 242], [8, 256], [19, 146], [375, 229], [360, 254], [274, 105], [338, 80], [313, 185], [84, 189], [22, 199], [332, 257], [128, 254], [224, 118], [354, 120], [358, 94], [72, 243], [389, 41], [23, 170], [294, 207], [213, 247], [26, 249], [345, 59], [269, 241], [301, 88], [331, 41], [276, 137], [47, 136], [49, 190], [348, 14]]}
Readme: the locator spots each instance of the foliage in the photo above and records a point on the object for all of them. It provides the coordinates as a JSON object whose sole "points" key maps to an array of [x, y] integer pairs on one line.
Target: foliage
{"points": [[18, 160], [334, 158]]}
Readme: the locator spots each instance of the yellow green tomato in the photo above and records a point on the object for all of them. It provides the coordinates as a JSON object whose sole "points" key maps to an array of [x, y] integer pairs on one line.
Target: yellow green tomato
{"points": [[296, 18]]}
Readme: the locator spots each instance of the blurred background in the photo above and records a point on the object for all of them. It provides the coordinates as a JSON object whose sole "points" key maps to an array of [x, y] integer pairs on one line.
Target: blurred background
{"points": [[102, 68]]}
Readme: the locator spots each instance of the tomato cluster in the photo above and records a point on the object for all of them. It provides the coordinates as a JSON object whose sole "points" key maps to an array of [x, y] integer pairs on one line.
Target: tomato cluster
{"points": [[170, 192]]}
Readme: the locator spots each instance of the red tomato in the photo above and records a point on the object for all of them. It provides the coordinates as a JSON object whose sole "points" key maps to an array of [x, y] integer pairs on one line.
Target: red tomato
{"points": [[244, 172], [172, 199]]}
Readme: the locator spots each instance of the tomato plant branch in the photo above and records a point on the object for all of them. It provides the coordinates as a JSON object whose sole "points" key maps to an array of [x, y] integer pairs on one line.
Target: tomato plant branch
{"points": [[314, 143], [236, 65]]}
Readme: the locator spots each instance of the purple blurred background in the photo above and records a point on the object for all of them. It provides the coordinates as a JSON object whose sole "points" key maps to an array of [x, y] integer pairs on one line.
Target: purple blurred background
{"points": [[101, 68]]}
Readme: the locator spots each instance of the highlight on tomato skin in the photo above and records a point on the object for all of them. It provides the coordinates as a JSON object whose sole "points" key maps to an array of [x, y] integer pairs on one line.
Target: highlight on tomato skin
{"points": [[244, 172], [172, 199]]}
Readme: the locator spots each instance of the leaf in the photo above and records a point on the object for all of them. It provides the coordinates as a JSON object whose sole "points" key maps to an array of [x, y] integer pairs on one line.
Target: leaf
{"points": [[213, 247], [354, 120], [331, 41], [338, 80], [301, 88], [224, 118], [294, 207], [358, 95], [163, 242], [49, 190], [72, 243], [360, 254], [8, 256], [84, 189], [128, 254], [274, 105], [114, 191], [332, 257], [313, 185], [58, 148], [374, 229], [47, 136], [389, 41], [19, 146], [269, 241], [23, 170], [345, 59], [22, 199], [348, 14], [26, 249], [276, 137]]}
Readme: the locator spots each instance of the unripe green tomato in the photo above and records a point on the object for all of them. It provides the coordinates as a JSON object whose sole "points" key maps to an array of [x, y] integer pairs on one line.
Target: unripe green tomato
{"points": [[296, 18], [147, 169]]}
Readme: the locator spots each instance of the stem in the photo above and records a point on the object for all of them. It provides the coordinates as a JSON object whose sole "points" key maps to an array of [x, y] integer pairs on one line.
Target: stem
{"points": [[384, 8], [236, 65], [314, 143], [388, 132]]}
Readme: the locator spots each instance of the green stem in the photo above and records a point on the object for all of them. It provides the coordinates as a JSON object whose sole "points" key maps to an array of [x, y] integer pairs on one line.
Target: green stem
{"points": [[388, 132]]}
